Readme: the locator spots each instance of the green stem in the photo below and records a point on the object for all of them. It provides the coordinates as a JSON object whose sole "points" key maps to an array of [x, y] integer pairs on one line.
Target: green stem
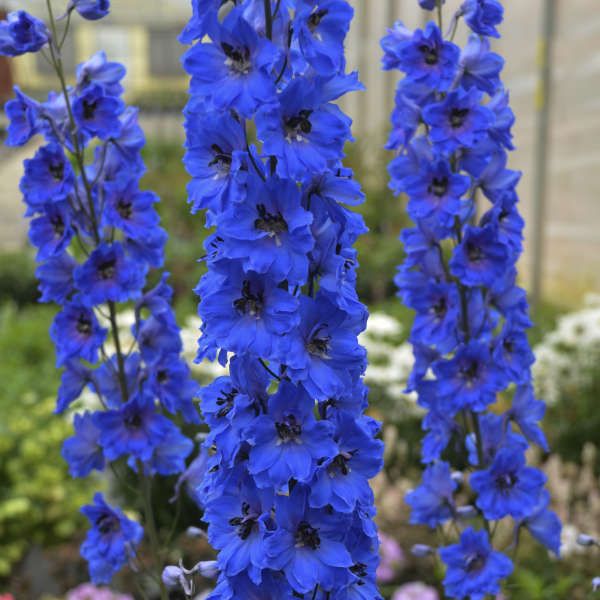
{"points": [[440, 17], [151, 528]]}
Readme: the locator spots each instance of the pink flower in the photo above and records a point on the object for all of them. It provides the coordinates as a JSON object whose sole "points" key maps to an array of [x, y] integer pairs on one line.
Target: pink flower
{"points": [[391, 558], [7, 597], [87, 591], [415, 591]]}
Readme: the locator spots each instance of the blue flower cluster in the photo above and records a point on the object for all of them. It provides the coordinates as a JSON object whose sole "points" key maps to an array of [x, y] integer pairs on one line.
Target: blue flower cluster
{"points": [[451, 133], [286, 493], [97, 237]]}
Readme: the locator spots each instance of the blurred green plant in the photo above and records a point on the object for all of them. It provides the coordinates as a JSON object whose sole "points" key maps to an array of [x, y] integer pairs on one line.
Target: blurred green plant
{"points": [[17, 278], [39, 502]]}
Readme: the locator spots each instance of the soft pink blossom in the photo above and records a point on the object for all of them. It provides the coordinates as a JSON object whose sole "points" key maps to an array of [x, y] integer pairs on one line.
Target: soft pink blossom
{"points": [[415, 591], [392, 558], [87, 591]]}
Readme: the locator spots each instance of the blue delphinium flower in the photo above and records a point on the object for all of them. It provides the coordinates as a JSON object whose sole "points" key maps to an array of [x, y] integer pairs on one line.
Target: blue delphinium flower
{"points": [[21, 33], [475, 569], [451, 134], [285, 490], [97, 236], [110, 542], [91, 9]]}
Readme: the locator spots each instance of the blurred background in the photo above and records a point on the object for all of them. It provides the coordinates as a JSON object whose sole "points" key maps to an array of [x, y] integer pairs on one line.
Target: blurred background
{"points": [[552, 52]]}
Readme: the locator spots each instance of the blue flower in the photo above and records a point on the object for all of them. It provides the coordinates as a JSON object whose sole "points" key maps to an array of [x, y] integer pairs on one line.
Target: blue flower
{"points": [[432, 503], [157, 337], [435, 192], [171, 381], [22, 113], [91, 9], [479, 67], [111, 541], [51, 232], [22, 33], [474, 568], [245, 312], [480, 259], [233, 69], [129, 209], [319, 30], [170, 453], [48, 177], [438, 315], [508, 487], [427, 59], [429, 4], [544, 525], [327, 350], [97, 114], [134, 429], [98, 70], [56, 278], [482, 16], [216, 160], [302, 131], [513, 353], [270, 231], [82, 451], [238, 527], [307, 545], [526, 412], [109, 275], [76, 333], [287, 442], [458, 120], [469, 379], [72, 382], [342, 480]]}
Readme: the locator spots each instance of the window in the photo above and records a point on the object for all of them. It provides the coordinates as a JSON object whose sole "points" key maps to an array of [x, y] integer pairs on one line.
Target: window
{"points": [[165, 52]]}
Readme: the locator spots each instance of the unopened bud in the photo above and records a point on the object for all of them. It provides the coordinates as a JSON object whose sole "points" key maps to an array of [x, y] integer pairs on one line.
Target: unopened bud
{"points": [[421, 550]]}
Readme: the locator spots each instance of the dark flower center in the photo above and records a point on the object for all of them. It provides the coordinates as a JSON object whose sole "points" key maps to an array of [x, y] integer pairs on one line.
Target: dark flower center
{"points": [[268, 222], [57, 170], [470, 371], [458, 117], [506, 481], [474, 252], [238, 59], [430, 55], [438, 187], [289, 429], [84, 325], [299, 125], [474, 562], [125, 208], [89, 109], [307, 536], [133, 421], [249, 303], [107, 523], [107, 269], [245, 523], [226, 403], [162, 376], [58, 225], [359, 569], [340, 464], [222, 160], [440, 307], [319, 345], [315, 19]]}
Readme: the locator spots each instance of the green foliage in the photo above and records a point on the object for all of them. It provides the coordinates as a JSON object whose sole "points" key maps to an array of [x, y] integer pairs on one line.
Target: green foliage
{"points": [[28, 359], [39, 502], [17, 278]]}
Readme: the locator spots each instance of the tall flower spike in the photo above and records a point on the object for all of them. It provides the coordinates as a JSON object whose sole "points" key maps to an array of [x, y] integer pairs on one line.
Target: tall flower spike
{"points": [[97, 238], [286, 494], [451, 133]]}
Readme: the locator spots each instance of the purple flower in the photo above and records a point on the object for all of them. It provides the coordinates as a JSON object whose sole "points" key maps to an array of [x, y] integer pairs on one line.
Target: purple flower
{"points": [[22, 33], [415, 591]]}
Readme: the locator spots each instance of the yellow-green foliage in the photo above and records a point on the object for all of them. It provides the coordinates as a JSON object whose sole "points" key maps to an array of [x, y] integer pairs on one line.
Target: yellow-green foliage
{"points": [[39, 501]]}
